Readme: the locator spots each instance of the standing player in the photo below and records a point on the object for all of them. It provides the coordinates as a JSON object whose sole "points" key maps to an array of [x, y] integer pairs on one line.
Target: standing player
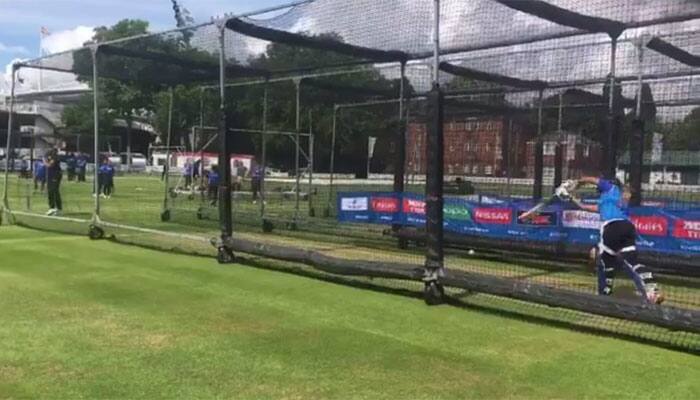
{"points": [[53, 182], [213, 185], [107, 177], [187, 174], [81, 165], [40, 175], [70, 166], [256, 176], [617, 248]]}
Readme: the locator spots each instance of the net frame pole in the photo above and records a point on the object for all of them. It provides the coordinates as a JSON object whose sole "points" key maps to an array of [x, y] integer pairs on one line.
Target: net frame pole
{"points": [[509, 152], [331, 182], [312, 212], [5, 195], [263, 155], [225, 198], [436, 42], [610, 156], [400, 162], [559, 148], [434, 256], [96, 129], [297, 85], [637, 137], [201, 130], [166, 167], [539, 150]]}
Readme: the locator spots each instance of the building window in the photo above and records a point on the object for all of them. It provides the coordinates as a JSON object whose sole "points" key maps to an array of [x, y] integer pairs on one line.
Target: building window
{"points": [[475, 170], [587, 151], [488, 170], [549, 148]]}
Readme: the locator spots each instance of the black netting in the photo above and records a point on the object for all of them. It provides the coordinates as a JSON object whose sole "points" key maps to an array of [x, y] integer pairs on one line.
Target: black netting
{"points": [[338, 165]]}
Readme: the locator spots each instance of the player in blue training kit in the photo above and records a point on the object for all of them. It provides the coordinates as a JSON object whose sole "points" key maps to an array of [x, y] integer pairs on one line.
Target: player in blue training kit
{"points": [[213, 187], [617, 248]]}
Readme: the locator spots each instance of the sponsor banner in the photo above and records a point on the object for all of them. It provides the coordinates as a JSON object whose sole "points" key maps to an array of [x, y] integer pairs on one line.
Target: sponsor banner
{"points": [[354, 204], [495, 216], [580, 219], [650, 225], [414, 206], [685, 229], [540, 219], [457, 212], [660, 230], [385, 205]]}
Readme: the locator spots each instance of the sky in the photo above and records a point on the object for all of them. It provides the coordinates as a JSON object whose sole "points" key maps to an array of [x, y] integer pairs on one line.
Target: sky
{"points": [[70, 22]]}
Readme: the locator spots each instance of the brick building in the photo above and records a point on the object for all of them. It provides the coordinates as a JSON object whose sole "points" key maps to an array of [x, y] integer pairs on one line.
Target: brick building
{"points": [[473, 147], [581, 156]]}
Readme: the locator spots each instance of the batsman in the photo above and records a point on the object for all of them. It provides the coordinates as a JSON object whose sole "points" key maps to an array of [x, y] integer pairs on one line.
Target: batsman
{"points": [[618, 235]]}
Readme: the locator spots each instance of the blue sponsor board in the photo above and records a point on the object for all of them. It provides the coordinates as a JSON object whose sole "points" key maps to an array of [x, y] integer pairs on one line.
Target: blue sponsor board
{"points": [[660, 229]]}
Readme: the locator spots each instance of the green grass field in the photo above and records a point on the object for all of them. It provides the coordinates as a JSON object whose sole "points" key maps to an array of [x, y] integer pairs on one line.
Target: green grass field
{"points": [[95, 319], [138, 201]]}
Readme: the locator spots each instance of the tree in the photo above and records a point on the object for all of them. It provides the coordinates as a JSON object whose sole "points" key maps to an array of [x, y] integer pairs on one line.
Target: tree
{"points": [[79, 117], [129, 86], [122, 100], [245, 109], [684, 135]]}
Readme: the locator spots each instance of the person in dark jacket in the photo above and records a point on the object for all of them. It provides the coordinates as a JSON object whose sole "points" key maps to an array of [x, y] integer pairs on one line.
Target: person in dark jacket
{"points": [[53, 182]]}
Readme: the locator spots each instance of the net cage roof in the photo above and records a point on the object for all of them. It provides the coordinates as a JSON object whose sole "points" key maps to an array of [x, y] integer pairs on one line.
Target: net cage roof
{"points": [[522, 47]]}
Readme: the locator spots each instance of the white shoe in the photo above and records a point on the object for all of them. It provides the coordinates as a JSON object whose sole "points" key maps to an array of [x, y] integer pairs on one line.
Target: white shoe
{"points": [[51, 211], [56, 213], [103, 196]]}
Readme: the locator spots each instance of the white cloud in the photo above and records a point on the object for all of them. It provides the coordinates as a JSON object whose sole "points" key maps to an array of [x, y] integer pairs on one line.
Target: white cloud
{"points": [[13, 49], [67, 39], [32, 79]]}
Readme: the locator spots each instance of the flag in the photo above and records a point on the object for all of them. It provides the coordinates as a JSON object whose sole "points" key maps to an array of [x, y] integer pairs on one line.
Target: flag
{"points": [[45, 31]]}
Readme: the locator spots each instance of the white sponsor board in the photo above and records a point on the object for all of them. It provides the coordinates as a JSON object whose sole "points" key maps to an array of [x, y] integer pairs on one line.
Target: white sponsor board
{"points": [[354, 204], [580, 219]]}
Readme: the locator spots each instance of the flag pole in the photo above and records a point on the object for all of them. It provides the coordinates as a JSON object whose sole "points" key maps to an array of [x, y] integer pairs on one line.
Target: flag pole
{"points": [[42, 31]]}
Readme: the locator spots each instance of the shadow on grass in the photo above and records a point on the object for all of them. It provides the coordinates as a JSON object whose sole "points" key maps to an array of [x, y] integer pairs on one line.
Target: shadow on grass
{"points": [[500, 307]]}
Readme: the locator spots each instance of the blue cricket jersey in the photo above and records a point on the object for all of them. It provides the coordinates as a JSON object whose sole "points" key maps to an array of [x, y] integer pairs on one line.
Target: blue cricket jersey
{"points": [[610, 204], [213, 178]]}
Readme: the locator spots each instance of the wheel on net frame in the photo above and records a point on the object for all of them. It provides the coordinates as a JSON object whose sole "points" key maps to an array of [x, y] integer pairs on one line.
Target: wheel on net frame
{"points": [[224, 255], [433, 293], [95, 232], [165, 216], [267, 226]]}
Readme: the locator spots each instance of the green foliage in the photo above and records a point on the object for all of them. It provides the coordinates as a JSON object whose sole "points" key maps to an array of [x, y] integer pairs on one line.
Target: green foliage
{"points": [[187, 112], [79, 117], [134, 87], [684, 135], [245, 109]]}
